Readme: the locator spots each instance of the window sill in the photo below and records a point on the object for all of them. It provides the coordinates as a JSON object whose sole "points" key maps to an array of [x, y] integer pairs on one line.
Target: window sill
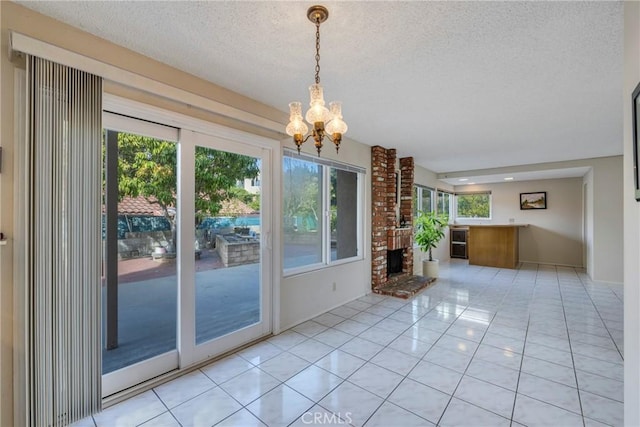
{"points": [[292, 272]]}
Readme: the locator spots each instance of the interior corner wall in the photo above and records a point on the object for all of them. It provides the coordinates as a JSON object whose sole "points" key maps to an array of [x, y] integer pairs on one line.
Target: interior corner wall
{"points": [[607, 196], [427, 178], [631, 222], [553, 235], [588, 201], [603, 234]]}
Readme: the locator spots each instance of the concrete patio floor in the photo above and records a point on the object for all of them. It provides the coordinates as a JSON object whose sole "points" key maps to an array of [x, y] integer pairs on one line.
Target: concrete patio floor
{"points": [[227, 299]]}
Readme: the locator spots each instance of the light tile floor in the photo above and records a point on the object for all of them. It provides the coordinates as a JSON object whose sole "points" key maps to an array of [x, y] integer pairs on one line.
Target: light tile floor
{"points": [[482, 347]]}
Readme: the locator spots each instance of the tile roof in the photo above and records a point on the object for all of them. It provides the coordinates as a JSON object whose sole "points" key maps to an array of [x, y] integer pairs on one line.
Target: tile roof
{"points": [[141, 206]]}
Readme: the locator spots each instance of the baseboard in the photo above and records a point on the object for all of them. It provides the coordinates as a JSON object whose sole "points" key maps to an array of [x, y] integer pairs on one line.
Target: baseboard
{"points": [[286, 328], [552, 263]]}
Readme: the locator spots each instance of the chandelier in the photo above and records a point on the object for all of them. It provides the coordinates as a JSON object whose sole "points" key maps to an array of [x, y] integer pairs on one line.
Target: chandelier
{"points": [[324, 122]]}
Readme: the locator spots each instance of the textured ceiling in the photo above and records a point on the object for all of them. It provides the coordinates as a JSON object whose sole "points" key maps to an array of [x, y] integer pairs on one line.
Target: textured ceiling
{"points": [[457, 85]]}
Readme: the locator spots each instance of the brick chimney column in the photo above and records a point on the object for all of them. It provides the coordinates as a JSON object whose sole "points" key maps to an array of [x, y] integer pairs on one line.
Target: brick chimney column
{"points": [[379, 173], [406, 206]]}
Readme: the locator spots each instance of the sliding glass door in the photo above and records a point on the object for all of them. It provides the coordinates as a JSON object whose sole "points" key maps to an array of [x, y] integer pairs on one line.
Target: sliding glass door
{"points": [[229, 236], [187, 262], [140, 282]]}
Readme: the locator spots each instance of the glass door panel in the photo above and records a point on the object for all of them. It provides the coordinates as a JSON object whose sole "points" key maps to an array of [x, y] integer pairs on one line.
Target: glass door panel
{"points": [[140, 282], [227, 242], [187, 238]]}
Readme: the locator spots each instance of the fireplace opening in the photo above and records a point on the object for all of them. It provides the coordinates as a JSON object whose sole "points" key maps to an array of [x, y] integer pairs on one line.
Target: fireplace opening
{"points": [[394, 262]]}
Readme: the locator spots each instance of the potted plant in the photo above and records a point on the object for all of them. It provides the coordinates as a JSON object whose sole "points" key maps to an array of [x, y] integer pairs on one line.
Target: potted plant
{"points": [[429, 231]]}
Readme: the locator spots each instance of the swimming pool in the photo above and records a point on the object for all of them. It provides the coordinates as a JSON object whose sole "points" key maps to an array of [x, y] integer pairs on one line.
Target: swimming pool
{"points": [[218, 222]]}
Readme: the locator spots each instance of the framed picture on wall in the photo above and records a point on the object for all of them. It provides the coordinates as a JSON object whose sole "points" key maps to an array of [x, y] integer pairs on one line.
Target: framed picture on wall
{"points": [[533, 200], [635, 114]]}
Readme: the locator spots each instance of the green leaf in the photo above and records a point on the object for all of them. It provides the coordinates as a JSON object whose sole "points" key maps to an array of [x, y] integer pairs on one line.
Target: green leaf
{"points": [[429, 230]]}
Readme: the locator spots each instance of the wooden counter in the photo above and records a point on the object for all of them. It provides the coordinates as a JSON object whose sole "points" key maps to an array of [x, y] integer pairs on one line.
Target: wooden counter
{"points": [[494, 245]]}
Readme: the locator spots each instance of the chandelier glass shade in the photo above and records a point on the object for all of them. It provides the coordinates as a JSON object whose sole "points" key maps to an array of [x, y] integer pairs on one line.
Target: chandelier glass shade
{"points": [[325, 122]]}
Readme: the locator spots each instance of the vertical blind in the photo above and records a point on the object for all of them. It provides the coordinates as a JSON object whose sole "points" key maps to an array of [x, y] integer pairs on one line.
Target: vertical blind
{"points": [[62, 243]]}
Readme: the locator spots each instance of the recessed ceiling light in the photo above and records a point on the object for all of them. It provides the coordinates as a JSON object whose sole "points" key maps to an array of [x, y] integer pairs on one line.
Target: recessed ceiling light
{"points": [[470, 183], [463, 179], [509, 178]]}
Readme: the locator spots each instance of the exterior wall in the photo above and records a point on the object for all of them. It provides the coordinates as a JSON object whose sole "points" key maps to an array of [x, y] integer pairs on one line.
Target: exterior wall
{"points": [[237, 252], [631, 223], [142, 244]]}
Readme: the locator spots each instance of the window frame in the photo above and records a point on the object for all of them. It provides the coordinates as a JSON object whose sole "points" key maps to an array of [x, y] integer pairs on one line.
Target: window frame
{"points": [[451, 197], [420, 189], [326, 167], [467, 193]]}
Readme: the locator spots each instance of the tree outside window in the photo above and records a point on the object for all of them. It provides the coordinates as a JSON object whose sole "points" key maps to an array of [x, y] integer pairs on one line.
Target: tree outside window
{"points": [[473, 205], [321, 212], [444, 203]]}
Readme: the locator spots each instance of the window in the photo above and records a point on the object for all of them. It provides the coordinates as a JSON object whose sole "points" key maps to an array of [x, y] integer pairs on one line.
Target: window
{"points": [[473, 205], [444, 203], [321, 212], [422, 199]]}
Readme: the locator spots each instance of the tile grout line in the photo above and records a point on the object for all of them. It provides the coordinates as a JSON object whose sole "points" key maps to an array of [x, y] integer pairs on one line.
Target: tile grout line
{"points": [[600, 316], [366, 361], [482, 298], [370, 360], [571, 350], [465, 369], [384, 400], [419, 360], [524, 346], [165, 405]]}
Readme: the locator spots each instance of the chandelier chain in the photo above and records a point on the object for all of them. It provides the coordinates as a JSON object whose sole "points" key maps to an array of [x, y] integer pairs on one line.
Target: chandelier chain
{"points": [[327, 123], [317, 50]]}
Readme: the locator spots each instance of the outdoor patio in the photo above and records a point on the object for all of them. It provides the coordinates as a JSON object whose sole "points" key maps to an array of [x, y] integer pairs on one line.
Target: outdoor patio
{"points": [[227, 299]]}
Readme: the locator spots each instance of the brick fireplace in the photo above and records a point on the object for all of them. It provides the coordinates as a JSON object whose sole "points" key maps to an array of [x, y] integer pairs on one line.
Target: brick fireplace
{"points": [[392, 216]]}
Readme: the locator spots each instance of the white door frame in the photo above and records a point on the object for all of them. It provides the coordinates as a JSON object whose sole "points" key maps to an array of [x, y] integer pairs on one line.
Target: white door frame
{"points": [[190, 353], [160, 364], [192, 132]]}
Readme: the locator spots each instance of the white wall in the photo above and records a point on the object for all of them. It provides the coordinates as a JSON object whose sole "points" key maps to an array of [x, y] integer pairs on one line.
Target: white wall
{"points": [[604, 233], [631, 223], [588, 218], [608, 220], [300, 297], [307, 295], [554, 235], [604, 218]]}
